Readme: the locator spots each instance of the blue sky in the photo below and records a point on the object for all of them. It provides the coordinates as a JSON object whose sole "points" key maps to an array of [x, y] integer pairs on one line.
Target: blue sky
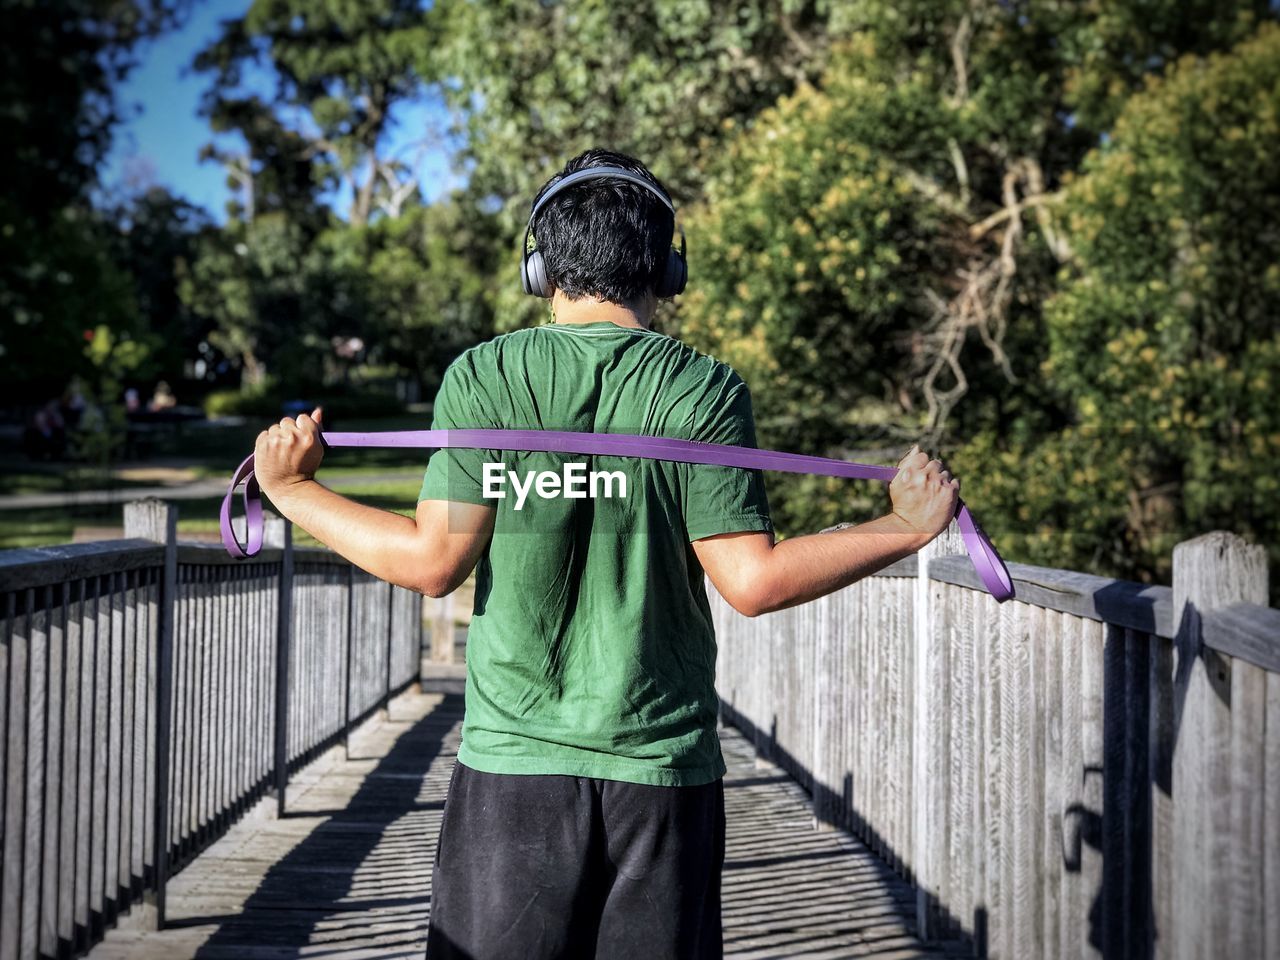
{"points": [[161, 139]]}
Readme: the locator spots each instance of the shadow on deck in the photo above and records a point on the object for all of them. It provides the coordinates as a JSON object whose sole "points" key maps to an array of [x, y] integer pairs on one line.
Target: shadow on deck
{"points": [[347, 873]]}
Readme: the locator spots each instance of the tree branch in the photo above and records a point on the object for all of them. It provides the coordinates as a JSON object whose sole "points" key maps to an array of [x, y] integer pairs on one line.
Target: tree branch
{"points": [[979, 230], [960, 57]]}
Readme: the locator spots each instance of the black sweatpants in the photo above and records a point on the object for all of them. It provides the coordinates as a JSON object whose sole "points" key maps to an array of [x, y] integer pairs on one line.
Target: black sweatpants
{"points": [[534, 867]]}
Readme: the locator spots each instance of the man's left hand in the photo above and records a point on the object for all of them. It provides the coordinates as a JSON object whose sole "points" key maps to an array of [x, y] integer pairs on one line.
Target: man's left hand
{"points": [[288, 452]]}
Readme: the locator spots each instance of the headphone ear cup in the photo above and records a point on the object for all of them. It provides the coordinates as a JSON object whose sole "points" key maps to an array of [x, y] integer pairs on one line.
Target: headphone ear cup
{"points": [[533, 275], [524, 274], [675, 276]]}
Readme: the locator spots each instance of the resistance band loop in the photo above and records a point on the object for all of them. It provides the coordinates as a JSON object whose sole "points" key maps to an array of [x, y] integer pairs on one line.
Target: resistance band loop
{"points": [[986, 561]]}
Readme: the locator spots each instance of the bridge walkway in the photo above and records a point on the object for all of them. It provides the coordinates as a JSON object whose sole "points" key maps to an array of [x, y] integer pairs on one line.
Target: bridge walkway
{"points": [[346, 874]]}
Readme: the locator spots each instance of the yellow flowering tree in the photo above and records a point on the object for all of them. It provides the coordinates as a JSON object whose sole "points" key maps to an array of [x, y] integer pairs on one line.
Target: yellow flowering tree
{"points": [[992, 227], [1165, 337]]}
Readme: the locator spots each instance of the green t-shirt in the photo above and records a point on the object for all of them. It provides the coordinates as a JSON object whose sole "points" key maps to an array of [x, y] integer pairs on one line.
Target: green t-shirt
{"points": [[591, 650]]}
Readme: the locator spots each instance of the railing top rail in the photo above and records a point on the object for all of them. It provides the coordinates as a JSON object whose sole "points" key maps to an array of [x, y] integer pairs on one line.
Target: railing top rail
{"points": [[42, 566], [906, 567], [211, 554], [1124, 603], [319, 555], [214, 555], [1244, 630], [31, 567]]}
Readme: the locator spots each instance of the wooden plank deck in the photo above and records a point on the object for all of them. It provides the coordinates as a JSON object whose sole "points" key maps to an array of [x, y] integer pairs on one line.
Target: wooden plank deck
{"points": [[347, 873]]}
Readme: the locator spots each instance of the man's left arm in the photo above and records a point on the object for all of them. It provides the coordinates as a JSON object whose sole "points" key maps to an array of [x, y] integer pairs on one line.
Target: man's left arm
{"points": [[431, 552]]}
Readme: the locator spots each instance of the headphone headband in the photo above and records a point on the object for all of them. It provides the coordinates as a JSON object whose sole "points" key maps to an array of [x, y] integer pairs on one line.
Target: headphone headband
{"points": [[601, 173]]}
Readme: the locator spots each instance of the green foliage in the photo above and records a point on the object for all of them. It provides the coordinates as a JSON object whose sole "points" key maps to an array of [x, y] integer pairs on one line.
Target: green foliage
{"points": [[1120, 44], [58, 110], [266, 402], [62, 60], [279, 173], [228, 403], [812, 248], [249, 280], [837, 227], [537, 83], [414, 288], [57, 284], [1138, 323], [1165, 337], [346, 65], [103, 428], [154, 239], [540, 82], [430, 275], [287, 278]]}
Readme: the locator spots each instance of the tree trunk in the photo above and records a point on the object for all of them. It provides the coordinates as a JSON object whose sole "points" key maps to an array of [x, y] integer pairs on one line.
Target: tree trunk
{"points": [[252, 373]]}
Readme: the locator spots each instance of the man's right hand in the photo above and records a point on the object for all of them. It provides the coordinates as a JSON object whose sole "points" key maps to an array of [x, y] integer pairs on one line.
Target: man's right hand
{"points": [[923, 493], [757, 575]]}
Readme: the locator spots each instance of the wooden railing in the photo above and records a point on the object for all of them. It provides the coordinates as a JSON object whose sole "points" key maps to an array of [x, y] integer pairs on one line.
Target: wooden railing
{"points": [[253, 668], [1092, 769]]}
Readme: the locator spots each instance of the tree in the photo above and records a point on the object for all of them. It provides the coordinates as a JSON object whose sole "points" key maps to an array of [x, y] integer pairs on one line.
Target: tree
{"points": [[874, 247], [538, 83], [1120, 45], [154, 241], [430, 275], [533, 84], [1164, 339], [249, 280], [287, 276], [59, 110], [875, 250], [345, 66]]}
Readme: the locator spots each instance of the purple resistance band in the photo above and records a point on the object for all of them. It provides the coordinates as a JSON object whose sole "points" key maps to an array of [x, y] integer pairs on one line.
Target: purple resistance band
{"points": [[986, 560]]}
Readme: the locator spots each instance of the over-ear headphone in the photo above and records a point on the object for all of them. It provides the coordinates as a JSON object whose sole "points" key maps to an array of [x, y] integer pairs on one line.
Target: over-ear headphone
{"points": [[533, 270]]}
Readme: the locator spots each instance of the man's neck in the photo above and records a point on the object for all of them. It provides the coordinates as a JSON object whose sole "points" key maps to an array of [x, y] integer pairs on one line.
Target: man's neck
{"points": [[587, 310]]}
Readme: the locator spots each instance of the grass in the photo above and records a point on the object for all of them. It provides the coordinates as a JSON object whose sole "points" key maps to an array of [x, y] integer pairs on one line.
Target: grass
{"points": [[53, 525], [208, 451], [216, 451], [22, 478], [398, 497], [56, 525]]}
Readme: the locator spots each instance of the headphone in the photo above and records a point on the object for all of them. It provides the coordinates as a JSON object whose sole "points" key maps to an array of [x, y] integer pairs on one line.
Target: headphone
{"points": [[533, 270]]}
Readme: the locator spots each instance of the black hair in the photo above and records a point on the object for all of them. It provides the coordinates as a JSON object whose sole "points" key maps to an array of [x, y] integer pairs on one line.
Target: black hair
{"points": [[604, 238]]}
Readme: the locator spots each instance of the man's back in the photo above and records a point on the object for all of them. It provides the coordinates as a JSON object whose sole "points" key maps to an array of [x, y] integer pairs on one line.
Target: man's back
{"points": [[586, 814], [591, 651]]}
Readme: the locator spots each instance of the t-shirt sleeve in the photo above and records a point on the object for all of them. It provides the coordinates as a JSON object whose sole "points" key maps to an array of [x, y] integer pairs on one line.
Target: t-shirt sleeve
{"points": [[726, 499], [456, 474]]}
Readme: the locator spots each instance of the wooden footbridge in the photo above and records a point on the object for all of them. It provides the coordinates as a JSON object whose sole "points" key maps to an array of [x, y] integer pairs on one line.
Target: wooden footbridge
{"points": [[203, 758]]}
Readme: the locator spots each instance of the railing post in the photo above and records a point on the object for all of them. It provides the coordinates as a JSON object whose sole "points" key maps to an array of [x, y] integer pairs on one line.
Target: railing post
{"points": [[419, 632], [391, 622], [158, 521], [1192, 859], [442, 645], [349, 656], [278, 533], [930, 737]]}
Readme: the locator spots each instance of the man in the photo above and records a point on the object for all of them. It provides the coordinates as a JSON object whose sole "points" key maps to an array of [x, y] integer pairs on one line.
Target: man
{"points": [[585, 816]]}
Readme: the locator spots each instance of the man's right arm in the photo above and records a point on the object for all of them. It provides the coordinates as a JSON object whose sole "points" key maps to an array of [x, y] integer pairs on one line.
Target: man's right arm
{"points": [[756, 575]]}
